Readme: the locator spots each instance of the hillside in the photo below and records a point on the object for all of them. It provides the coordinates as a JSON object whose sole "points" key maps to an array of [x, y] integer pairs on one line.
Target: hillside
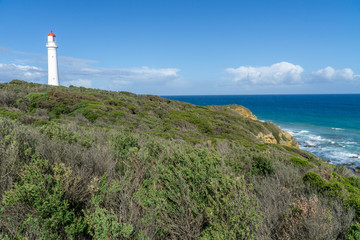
{"points": [[78, 163]]}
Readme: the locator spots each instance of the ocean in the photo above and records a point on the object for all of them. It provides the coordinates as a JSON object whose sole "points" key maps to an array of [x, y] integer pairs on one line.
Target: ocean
{"points": [[327, 125]]}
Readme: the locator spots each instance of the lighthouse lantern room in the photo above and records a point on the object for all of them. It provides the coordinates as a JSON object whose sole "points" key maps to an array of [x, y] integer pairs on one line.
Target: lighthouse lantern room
{"points": [[53, 74]]}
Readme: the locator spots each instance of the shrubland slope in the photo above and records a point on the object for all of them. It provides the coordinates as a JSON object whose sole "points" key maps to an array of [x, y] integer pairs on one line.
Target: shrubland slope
{"points": [[79, 163]]}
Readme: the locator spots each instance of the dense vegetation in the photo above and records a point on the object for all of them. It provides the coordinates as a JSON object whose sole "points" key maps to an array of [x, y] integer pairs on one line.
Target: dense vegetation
{"points": [[79, 163]]}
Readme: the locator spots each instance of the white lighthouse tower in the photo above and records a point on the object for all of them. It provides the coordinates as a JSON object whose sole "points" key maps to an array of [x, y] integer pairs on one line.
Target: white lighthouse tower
{"points": [[53, 74]]}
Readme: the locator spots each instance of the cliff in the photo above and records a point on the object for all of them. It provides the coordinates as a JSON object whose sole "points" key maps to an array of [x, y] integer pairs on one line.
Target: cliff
{"points": [[272, 134], [79, 163], [243, 111]]}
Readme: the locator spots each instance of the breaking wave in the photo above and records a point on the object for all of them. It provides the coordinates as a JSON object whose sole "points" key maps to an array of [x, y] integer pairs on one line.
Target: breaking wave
{"points": [[339, 148]]}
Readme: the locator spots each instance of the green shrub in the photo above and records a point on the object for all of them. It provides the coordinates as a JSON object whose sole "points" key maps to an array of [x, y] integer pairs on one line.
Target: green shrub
{"points": [[117, 114], [315, 180], [34, 99], [40, 123], [41, 190], [354, 181], [191, 190], [262, 166], [300, 162], [59, 132], [177, 117], [354, 201], [339, 188], [333, 189], [54, 131], [104, 224], [91, 110], [122, 143], [203, 125], [60, 108], [353, 233], [154, 149], [13, 115]]}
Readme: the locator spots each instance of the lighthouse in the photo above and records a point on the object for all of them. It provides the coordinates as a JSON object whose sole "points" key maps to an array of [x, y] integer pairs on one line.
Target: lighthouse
{"points": [[53, 74]]}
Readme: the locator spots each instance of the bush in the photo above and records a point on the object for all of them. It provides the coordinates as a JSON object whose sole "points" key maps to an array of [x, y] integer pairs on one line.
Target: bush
{"points": [[122, 144], [339, 189], [353, 233], [60, 132], [306, 217], [262, 166], [332, 189], [39, 197], [354, 201], [104, 224], [9, 114], [34, 100], [191, 191], [354, 181], [300, 162]]}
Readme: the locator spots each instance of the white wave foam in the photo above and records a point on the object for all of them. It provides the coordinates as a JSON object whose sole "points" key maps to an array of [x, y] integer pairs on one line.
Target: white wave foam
{"points": [[341, 155], [337, 148], [319, 139], [296, 133]]}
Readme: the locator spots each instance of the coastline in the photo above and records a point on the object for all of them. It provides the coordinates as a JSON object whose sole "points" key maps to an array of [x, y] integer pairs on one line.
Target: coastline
{"points": [[327, 125], [335, 151]]}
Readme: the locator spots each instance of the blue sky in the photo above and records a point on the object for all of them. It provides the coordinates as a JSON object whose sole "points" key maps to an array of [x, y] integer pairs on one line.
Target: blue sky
{"points": [[185, 47]]}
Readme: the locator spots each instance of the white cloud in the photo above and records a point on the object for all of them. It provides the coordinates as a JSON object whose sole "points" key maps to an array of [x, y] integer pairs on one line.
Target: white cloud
{"points": [[81, 72], [24, 72], [278, 73], [118, 77], [106, 78], [284, 73], [331, 74]]}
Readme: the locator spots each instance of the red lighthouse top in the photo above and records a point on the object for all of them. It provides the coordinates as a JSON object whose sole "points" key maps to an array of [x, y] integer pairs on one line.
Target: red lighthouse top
{"points": [[51, 34]]}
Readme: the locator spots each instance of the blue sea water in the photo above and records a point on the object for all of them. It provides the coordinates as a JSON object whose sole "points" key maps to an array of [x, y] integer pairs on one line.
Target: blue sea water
{"points": [[326, 125]]}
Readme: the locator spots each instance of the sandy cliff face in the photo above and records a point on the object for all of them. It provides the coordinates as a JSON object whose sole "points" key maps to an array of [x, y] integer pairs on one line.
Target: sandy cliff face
{"points": [[245, 112], [275, 135], [284, 139]]}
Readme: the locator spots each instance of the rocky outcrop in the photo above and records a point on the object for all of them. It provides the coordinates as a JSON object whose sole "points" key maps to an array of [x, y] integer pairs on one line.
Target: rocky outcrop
{"points": [[283, 138], [245, 112], [288, 140], [274, 135]]}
